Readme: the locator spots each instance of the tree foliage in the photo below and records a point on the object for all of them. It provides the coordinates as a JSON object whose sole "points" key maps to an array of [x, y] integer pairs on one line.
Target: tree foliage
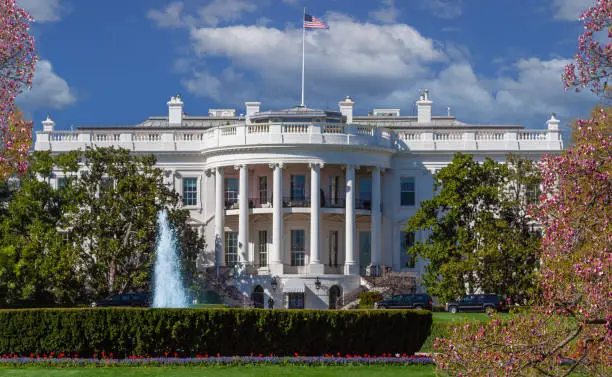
{"points": [[570, 329], [479, 235], [100, 223], [17, 64]]}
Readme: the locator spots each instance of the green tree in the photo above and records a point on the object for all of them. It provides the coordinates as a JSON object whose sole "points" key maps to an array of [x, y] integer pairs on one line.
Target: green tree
{"points": [[479, 234], [111, 207], [36, 261]]}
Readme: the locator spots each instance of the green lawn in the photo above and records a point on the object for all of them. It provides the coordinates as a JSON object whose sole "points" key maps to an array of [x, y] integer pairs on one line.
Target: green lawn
{"points": [[441, 317], [250, 371]]}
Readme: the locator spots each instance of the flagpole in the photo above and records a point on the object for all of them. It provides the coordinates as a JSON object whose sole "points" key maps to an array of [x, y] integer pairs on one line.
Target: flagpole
{"points": [[303, 49]]}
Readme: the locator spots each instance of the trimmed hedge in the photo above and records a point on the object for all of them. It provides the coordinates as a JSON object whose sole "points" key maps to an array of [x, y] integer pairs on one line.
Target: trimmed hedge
{"points": [[438, 330], [191, 332]]}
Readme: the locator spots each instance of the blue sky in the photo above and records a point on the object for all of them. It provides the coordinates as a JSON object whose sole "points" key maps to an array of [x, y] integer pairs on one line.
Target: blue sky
{"points": [[117, 62]]}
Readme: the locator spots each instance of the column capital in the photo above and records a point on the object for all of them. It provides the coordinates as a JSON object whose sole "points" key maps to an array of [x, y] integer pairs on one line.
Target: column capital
{"points": [[210, 172], [275, 165], [240, 166], [350, 166], [316, 165]]}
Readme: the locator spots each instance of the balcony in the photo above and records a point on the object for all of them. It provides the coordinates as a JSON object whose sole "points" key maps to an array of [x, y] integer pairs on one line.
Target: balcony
{"points": [[296, 202], [337, 201], [260, 202], [363, 203]]}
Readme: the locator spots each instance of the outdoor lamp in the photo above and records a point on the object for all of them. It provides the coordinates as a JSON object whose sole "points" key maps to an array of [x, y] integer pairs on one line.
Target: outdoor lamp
{"points": [[317, 283], [274, 283]]}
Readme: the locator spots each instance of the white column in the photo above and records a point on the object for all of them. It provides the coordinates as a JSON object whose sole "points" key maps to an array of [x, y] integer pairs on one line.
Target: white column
{"points": [[276, 256], [243, 219], [315, 219], [351, 264], [219, 217], [376, 217]]}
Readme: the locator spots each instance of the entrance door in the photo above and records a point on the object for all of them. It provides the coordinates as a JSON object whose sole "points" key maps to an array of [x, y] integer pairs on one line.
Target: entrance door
{"points": [[257, 297], [335, 297], [365, 242]]}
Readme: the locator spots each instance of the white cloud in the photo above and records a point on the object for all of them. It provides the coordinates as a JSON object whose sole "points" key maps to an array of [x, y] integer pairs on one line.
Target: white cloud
{"points": [[42, 10], [379, 65], [387, 13], [169, 17], [570, 9], [49, 91], [445, 9], [211, 14]]}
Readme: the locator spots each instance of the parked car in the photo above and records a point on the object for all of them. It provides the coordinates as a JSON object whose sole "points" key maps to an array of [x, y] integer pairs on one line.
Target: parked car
{"points": [[406, 301], [126, 299], [476, 303]]}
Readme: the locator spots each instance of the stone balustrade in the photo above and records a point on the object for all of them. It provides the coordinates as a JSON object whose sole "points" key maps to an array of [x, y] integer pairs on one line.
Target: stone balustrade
{"points": [[232, 135]]}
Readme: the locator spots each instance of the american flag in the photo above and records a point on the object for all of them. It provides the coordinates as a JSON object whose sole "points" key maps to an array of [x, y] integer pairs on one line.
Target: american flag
{"points": [[311, 22]]}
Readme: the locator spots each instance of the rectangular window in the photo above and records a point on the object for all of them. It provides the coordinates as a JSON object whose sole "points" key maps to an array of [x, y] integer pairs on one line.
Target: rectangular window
{"points": [[333, 248], [532, 194], [231, 192], [334, 195], [406, 242], [408, 197], [62, 182], [298, 187], [190, 191], [295, 300], [297, 247], [364, 200], [263, 248], [231, 248], [106, 185], [263, 190]]}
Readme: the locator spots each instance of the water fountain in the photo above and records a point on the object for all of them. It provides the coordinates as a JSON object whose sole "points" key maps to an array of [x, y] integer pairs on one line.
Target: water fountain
{"points": [[168, 290]]}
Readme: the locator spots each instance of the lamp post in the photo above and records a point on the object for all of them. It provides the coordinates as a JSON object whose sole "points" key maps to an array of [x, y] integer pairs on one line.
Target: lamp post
{"points": [[274, 283], [317, 283]]}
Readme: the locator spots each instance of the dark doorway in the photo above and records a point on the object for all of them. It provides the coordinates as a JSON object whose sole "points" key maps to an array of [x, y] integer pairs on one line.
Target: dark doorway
{"points": [[257, 297], [335, 297]]}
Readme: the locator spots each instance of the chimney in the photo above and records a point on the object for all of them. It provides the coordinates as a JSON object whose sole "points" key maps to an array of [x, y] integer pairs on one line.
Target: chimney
{"points": [[424, 108], [175, 111], [48, 124], [251, 109], [553, 123], [346, 108]]}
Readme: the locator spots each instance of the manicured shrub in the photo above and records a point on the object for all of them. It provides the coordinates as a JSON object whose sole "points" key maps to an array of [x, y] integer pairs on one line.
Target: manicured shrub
{"points": [[438, 330], [228, 332], [367, 299]]}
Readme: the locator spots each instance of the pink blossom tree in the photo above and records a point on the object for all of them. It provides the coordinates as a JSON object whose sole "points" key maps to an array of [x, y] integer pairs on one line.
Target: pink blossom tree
{"points": [[17, 63], [569, 330]]}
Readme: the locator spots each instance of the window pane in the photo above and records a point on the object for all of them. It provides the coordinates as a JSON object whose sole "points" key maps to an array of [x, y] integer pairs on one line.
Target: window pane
{"points": [[298, 187], [231, 248], [406, 242], [297, 247], [263, 248], [190, 191], [231, 190], [407, 191]]}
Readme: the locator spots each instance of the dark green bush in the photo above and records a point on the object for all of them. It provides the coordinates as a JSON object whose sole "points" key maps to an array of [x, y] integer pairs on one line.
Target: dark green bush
{"points": [[228, 332], [367, 299]]}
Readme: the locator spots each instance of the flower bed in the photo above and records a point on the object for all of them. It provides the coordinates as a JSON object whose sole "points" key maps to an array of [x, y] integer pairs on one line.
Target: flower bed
{"points": [[61, 360]]}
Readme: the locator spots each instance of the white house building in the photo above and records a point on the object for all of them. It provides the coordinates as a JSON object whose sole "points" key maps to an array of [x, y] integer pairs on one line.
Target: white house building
{"points": [[306, 201]]}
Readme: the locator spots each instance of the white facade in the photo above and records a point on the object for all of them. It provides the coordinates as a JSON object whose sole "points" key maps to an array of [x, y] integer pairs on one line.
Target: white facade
{"points": [[301, 196]]}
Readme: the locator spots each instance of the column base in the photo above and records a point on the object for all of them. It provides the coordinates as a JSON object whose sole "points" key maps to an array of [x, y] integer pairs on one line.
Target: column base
{"points": [[374, 270], [316, 269], [351, 269], [276, 269]]}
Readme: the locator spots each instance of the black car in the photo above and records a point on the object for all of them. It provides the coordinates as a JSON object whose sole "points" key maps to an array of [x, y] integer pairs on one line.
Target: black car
{"points": [[406, 301], [476, 303], [126, 299]]}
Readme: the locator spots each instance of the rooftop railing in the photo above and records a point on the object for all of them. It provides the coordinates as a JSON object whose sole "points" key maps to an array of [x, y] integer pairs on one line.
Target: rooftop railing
{"points": [[185, 140]]}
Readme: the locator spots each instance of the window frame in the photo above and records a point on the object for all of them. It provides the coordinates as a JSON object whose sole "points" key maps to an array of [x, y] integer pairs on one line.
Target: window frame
{"points": [[409, 195], [298, 257], [189, 196], [231, 248]]}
